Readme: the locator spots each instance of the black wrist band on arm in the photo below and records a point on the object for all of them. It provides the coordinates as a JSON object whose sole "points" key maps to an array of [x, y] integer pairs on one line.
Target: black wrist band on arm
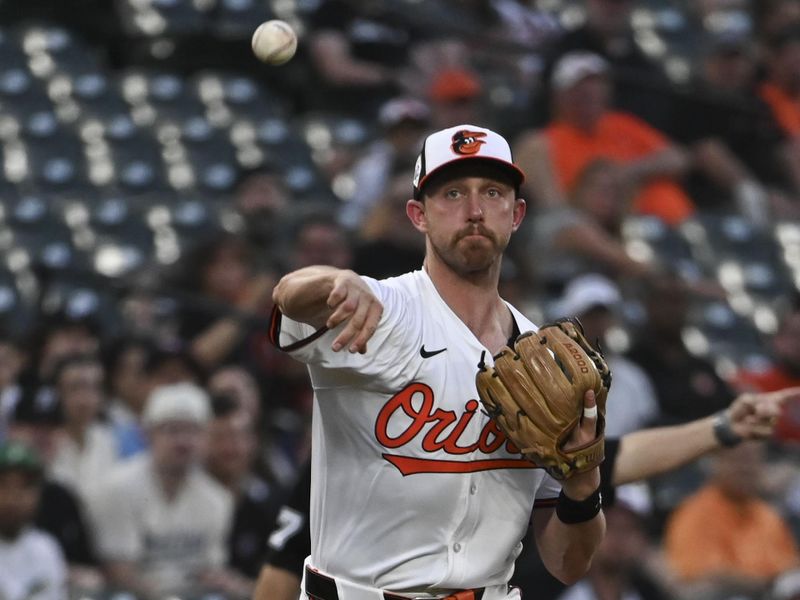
{"points": [[571, 511], [723, 431]]}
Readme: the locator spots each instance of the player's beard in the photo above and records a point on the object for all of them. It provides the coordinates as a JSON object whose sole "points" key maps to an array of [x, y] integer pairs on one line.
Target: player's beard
{"points": [[470, 256]]}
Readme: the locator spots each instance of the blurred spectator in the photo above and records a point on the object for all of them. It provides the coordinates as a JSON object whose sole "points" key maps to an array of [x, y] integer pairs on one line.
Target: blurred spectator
{"points": [[161, 522], [60, 513], [167, 364], [261, 197], [232, 453], [455, 95], [320, 240], [724, 538], [641, 84], [11, 363], [128, 388], [783, 373], [388, 243], [619, 569], [738, 146], [403, 122], [687, 386], [31, 562], [585, 234], [774, 15], [632, 402], [87, 451], [357, 53], [782, 83], [223, 285], [57, 336], [237, 383], [585, 128]]}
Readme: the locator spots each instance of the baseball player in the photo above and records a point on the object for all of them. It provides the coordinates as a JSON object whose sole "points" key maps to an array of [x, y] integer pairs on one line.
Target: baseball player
{"points": [[635, 456], [415, 491]]}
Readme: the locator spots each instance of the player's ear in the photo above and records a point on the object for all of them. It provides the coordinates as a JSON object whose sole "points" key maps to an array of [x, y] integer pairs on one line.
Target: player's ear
{"points": [[520, 208], [416, 213]]}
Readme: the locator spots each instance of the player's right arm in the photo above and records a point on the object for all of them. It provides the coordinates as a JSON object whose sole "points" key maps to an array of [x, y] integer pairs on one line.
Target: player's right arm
{"points": [[325, 297]]}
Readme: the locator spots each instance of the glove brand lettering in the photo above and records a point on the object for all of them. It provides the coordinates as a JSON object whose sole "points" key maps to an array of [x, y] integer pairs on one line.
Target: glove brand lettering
{"points": [[578, 356], [444, 434]]}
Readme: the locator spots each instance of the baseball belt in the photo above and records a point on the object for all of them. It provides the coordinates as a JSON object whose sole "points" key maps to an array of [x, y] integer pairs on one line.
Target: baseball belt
{"points": [[323, 587]]}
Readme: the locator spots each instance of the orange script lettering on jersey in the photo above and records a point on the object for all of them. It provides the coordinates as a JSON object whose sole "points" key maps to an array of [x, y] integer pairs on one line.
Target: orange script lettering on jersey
{"points": [[438, 439]]}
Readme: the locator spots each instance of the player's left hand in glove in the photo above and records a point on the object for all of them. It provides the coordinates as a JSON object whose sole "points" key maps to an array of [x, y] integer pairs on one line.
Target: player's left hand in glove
{"points": [[535, 393]]}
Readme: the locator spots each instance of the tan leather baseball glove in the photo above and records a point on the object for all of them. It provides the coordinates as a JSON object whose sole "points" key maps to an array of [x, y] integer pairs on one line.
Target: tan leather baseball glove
{"points": [[535, 393]]}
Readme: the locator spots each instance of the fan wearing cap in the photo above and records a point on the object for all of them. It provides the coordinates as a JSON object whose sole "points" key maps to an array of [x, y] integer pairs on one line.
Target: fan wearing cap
{"points": [[585, 128], [31, 561], [632, 402], [403, 122], [161, 522], [414, 491]]}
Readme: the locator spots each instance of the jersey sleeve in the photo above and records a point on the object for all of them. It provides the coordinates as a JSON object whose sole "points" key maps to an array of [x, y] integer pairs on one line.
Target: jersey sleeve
{"points": [[397, 331]]}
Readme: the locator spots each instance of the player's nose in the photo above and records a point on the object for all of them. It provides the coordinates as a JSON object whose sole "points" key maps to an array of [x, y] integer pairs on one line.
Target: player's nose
{"points": [[474, 207]]}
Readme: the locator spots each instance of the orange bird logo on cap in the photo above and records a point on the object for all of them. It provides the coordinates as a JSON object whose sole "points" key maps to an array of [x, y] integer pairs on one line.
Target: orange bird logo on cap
{"points": [[467, 142]]}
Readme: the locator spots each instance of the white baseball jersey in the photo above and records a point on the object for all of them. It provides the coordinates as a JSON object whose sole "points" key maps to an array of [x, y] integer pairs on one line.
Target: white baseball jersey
{"points": [[413, 486]]}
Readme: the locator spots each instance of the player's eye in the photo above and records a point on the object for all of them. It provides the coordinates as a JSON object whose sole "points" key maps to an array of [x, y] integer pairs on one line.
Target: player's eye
{"points": [[493, 193], [452, 193]]}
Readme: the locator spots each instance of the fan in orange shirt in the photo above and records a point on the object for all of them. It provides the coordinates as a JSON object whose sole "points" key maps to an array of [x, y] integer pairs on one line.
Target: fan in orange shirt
{"points": [[724, 535], [781, 89], [585, 128]]}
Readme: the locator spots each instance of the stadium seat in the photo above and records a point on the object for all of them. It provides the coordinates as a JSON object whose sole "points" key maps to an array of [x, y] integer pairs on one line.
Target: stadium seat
{"points": [[241, 96], [650, 239], [237, 19], [160, 18]]}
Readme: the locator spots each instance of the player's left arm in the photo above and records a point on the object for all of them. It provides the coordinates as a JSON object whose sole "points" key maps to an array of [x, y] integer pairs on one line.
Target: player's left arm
{"points": [[567, 549]]}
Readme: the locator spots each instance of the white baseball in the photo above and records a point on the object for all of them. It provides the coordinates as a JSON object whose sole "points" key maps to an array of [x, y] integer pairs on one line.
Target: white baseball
{"points": [[274, 42]]}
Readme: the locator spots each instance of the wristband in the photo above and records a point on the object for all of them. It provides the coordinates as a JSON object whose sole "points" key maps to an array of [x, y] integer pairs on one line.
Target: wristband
{"points": [[571, 511], [723, 431]]}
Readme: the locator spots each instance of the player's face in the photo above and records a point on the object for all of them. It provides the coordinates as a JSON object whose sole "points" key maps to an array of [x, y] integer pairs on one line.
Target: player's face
{"points": [[469, 220]]}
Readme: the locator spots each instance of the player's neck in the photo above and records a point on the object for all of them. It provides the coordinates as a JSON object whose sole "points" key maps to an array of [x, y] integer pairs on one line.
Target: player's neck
{"points": [[476, 301]]}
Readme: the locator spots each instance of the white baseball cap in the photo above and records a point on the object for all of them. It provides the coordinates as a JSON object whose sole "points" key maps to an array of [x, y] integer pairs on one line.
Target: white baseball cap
{"points": [[403, 108], [588, 291], [177, 402], [463, 142], [575, 66]]}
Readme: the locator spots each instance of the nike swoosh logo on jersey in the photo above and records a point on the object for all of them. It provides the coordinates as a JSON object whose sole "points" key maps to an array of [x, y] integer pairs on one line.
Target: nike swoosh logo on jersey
{"points": [[427, 354]]}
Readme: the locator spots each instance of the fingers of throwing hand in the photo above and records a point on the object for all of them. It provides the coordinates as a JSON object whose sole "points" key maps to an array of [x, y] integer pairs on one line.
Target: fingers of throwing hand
{"points": [[354, 324], [360, 311]]}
